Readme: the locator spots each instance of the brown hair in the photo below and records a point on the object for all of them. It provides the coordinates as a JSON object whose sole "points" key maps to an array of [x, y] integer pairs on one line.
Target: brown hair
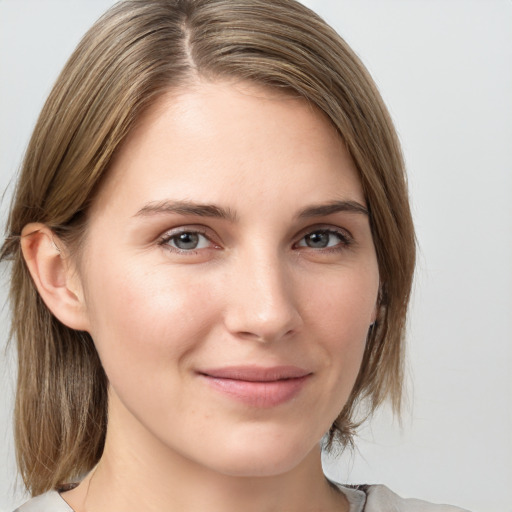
{"points": [[137, 51]]}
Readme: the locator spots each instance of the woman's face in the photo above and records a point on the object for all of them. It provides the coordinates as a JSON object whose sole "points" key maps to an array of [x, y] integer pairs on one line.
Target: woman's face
{"points": [[230, 279]]}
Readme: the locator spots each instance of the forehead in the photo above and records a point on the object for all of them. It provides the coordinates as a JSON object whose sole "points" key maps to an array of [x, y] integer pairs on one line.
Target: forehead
{"points": [[214, 138]]}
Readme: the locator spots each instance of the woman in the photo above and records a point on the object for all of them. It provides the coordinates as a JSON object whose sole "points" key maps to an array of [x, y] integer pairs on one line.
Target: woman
{"points": [[212, 258]]}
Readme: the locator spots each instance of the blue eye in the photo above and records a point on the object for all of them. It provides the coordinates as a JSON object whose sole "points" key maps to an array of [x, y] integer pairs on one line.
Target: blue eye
{"points": [[323, 239], [187, 241]]}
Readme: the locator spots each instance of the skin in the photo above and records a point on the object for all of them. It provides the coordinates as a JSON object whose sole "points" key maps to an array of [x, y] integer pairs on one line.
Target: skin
{"points": [[253, 292]]}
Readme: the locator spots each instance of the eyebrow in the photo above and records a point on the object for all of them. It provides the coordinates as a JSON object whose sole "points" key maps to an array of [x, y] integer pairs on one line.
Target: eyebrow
{"points": [[214, 211], [186, 208], [322, 210]]}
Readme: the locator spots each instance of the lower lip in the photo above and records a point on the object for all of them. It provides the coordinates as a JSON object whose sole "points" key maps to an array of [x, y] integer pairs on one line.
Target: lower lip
{"points": [[258, 394]]}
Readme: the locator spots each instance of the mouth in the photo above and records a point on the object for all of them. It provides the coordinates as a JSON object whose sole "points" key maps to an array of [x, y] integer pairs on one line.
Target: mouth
{"points": [[261, 387]]}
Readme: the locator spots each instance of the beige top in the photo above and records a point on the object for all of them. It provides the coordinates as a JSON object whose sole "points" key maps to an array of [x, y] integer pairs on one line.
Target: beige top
{"points": [[366, 498]]}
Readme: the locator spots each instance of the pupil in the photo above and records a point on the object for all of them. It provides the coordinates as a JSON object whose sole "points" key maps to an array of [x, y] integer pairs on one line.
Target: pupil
{"points": [[187, 241], [318, 240]]}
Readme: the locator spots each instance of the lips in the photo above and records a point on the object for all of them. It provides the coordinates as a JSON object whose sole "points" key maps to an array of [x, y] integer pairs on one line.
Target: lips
{"points": [[257, 386]]}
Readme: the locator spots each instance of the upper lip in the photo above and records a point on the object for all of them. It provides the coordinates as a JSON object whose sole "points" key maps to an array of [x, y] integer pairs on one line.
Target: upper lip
{"points": [[256, 373]]}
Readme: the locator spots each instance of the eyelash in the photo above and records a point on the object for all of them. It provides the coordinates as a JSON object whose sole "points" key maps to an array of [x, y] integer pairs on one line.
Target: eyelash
{"points": [[345, 240], [168, 237]]}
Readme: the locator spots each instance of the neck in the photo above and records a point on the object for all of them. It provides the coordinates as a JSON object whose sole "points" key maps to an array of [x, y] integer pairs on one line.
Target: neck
{"points": [[137, 473]]}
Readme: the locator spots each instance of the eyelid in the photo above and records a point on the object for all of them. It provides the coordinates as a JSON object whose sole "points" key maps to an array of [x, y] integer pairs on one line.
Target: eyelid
{"points": [[346, 236], [165, 237], [325, 227]]}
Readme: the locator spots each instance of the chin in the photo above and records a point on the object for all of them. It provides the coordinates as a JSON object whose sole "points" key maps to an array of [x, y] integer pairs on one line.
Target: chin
{"points": [[250, 466], [263, 455]]}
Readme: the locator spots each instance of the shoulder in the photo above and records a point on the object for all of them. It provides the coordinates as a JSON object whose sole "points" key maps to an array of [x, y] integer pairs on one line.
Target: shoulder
{"points": [[379, 497], [50, 501]]}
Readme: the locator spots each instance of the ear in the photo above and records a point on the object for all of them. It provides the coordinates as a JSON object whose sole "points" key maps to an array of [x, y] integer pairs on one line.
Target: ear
{"points": [[55, 277], [378, 305], [375, 313]]}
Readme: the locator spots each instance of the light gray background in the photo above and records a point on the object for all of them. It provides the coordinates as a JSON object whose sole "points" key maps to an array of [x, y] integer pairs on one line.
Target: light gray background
{"points": [[445, 69]]}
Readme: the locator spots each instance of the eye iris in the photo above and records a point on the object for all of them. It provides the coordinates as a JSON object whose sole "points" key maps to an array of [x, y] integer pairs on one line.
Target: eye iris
{"points": [[186, 241], [318, 240]]}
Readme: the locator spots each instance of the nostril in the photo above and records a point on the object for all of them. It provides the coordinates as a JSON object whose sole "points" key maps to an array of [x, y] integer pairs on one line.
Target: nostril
{"points": [[264, 337], [252, 335]]}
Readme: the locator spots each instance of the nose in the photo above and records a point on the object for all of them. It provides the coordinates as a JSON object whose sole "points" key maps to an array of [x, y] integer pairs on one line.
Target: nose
{"points": [[262, 302]]}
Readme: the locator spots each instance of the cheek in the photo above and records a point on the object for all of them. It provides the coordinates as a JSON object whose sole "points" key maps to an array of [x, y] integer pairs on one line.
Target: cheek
{"points": [[340, 314], [145, 320], [344, 305]]}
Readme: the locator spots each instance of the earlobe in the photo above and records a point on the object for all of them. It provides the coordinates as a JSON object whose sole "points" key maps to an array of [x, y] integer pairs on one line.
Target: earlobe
{"points": [[54, 276]]}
